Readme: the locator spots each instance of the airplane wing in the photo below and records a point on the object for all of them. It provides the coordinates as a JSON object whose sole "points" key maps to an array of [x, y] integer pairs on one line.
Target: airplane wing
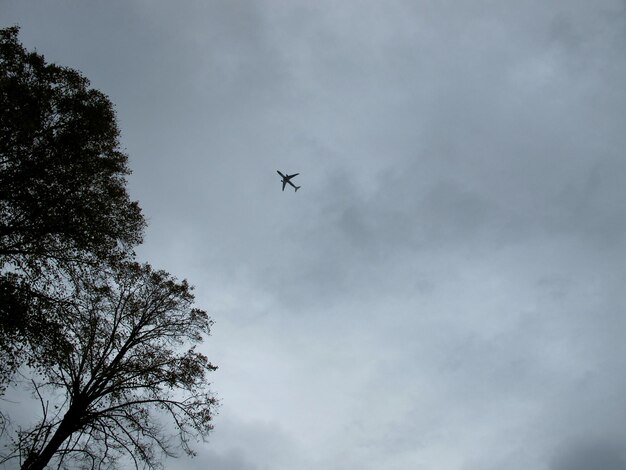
{"points": [[291, 176], [284, 183]]}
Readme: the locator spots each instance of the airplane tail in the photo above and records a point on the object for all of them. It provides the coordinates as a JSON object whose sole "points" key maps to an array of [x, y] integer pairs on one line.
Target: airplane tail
{"points": [[297, 187]]}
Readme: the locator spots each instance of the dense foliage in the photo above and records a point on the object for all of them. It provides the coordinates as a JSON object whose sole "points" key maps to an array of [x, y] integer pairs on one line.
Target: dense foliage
{"points": [[62, 176], [63, 199]]}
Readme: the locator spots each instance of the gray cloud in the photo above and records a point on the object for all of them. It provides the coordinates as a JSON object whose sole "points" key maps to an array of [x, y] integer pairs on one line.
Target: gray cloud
{"points": [[589, 454]]}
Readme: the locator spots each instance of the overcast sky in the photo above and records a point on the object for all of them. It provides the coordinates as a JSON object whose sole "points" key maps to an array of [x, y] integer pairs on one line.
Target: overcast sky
{"points": [[447, 289]]}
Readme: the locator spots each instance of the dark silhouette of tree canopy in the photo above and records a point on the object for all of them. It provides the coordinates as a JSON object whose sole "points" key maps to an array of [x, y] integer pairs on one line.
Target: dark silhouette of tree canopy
{"points": [[124, 372], [26, 322], [62, 176], [63, 199]]}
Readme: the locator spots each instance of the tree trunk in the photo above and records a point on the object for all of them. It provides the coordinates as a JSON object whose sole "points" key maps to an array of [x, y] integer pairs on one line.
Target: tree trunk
{"points": [[69, 424]]}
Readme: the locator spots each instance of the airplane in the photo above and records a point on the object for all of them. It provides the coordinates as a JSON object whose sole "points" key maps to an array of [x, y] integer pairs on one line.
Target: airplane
{"points": [[287, 179]]}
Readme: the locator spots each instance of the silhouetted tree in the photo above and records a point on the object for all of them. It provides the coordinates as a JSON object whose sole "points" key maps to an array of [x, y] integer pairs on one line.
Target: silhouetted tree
{"points": [[62, 175], [63, 199], [27, 322], [129, 364]]}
